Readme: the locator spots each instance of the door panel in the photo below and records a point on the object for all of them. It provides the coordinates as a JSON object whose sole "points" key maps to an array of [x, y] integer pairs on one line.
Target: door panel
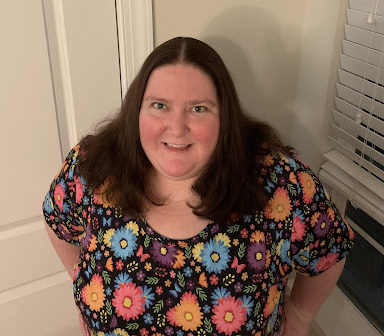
{"points": [[60, 75]]}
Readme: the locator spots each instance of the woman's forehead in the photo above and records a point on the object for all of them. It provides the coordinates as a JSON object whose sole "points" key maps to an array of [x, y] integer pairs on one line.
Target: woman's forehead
{"points": [[178, 80]]}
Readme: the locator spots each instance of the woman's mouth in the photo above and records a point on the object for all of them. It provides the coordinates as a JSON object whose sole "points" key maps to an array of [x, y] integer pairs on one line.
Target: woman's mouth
{"points": [[176, 146]]}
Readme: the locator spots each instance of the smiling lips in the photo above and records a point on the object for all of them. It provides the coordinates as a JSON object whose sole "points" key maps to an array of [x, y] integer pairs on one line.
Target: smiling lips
{"points": [[176, 146]]}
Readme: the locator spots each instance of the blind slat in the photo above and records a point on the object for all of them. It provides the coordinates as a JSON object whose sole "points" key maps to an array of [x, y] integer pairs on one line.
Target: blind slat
{"points": [[362, 69], [365, 6], [358, 120], [363, 53], [356, 129], [364, 37], [354, 157], [357, 192], [356, 172], [359, 100], [359, 84], [352, 111], [356, 144], [359, 19]]}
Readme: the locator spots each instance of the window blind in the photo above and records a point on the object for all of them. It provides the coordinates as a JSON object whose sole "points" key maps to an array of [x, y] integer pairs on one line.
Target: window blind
{"points": [[357, 128]]}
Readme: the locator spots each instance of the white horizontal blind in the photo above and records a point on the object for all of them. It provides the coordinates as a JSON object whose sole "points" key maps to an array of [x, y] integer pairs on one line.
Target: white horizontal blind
{"points": [[358, 118]]}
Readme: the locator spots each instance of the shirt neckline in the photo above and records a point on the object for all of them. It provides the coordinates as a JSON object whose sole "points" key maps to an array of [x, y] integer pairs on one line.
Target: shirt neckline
{"points": [[210, 229]]}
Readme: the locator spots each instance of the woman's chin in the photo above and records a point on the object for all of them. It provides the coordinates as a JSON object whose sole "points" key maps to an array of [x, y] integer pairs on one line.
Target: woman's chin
{"points": [[178, 174]]}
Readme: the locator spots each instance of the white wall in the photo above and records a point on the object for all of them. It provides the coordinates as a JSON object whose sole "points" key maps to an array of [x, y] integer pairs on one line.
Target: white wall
{"points": [[320, 48], [34, 295], [282, 56], [260, 42]]}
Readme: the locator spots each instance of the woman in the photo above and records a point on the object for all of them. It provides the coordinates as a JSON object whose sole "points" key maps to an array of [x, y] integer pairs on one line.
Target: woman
{"points": [[185, 217]]}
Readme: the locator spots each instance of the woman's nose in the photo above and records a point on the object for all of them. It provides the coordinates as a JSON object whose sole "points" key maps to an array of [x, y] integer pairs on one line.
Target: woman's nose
{"points": [[178, 123]]}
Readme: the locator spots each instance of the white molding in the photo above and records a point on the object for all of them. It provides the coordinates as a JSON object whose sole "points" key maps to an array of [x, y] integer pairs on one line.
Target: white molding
{"points": [[365, 235], [339, 316], [33, 287], [65, 71], [135, 28], [21, 230], [358, 194]]}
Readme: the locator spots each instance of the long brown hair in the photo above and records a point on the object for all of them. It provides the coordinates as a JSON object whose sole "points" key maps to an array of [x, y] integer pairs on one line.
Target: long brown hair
{"points": [[229, 183]]}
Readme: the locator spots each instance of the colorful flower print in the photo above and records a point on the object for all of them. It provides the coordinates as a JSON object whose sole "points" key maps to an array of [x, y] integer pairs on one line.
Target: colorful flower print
{"points": [[93, 293], [128, 301], [302, 257], [227, 280], [163, 254], [322, 222], [323, 263], [116, 332], [298, 230], [59, 196], [48, 205], [187, 314], [279, 207], [79, 185], [215, 256], [272, 301], [308, 185], [229, 315], [123, 242], [256, 256]]}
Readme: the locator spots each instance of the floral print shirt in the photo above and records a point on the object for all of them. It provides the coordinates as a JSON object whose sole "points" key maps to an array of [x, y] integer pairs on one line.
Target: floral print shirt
{"points": [[227, 280]]}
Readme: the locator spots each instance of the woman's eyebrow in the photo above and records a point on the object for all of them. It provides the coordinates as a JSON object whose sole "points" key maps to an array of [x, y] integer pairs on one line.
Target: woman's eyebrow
{"points": [[202, 101], [162, 100], [192, 102]]}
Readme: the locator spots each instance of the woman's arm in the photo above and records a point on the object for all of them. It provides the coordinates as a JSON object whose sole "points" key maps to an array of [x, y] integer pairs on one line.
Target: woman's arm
{"points": [[67, 253], [307, 296]]}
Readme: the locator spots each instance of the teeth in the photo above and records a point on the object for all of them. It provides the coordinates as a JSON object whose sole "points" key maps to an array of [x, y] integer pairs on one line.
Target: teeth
{"points": [[176, 145]]}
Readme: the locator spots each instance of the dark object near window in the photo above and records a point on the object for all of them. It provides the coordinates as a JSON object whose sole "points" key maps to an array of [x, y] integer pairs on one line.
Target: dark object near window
{"points": [[363, 277]]}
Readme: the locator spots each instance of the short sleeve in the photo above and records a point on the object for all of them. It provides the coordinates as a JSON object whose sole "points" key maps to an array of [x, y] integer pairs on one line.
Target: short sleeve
{"points": [[63, 201], [320, 237]]}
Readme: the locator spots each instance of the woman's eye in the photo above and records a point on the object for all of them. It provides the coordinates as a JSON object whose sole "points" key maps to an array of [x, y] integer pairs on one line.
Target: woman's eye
{"points": [[199, 108], [158, 105]]}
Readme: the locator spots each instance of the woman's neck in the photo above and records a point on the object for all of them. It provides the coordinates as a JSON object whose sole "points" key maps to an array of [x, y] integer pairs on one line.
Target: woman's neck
{"points": [[175, 194]]}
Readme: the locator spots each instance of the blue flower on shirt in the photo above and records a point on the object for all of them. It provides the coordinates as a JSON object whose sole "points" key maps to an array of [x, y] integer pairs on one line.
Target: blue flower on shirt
{"points": [[218, 294], [123, 243], [122, 278], [247, 303], [302, 258], [148, 318], [278, 169], [48, 204], [250, 325], [188, 271], [215, 256], [149, 296], [284, 250], [206, 309]]}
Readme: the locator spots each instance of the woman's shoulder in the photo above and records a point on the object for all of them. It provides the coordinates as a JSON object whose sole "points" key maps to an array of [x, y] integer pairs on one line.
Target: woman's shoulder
{"points": [[276, 162]]}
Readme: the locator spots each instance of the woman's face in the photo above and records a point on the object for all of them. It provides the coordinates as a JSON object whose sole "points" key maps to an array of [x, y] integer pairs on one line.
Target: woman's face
{"points": [[179, 121]]}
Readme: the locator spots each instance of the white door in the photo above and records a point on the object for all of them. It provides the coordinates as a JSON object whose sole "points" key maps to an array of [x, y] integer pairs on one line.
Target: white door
{"points": [[59, 75]]}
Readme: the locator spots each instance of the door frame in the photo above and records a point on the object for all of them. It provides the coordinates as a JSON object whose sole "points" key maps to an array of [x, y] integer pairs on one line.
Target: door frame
{"points": [[134, 23]]}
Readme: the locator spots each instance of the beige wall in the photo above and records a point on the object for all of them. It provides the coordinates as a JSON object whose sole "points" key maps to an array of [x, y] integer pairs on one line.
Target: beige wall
{"points": [[282, 55], [259, 41], [323, 31]]}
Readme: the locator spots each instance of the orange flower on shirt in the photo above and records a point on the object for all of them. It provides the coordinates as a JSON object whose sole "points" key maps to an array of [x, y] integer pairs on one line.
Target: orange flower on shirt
{"points": [[308, 185], [272, 301], [93, 293], [279, 206], [180, 260], [187, 313]]}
